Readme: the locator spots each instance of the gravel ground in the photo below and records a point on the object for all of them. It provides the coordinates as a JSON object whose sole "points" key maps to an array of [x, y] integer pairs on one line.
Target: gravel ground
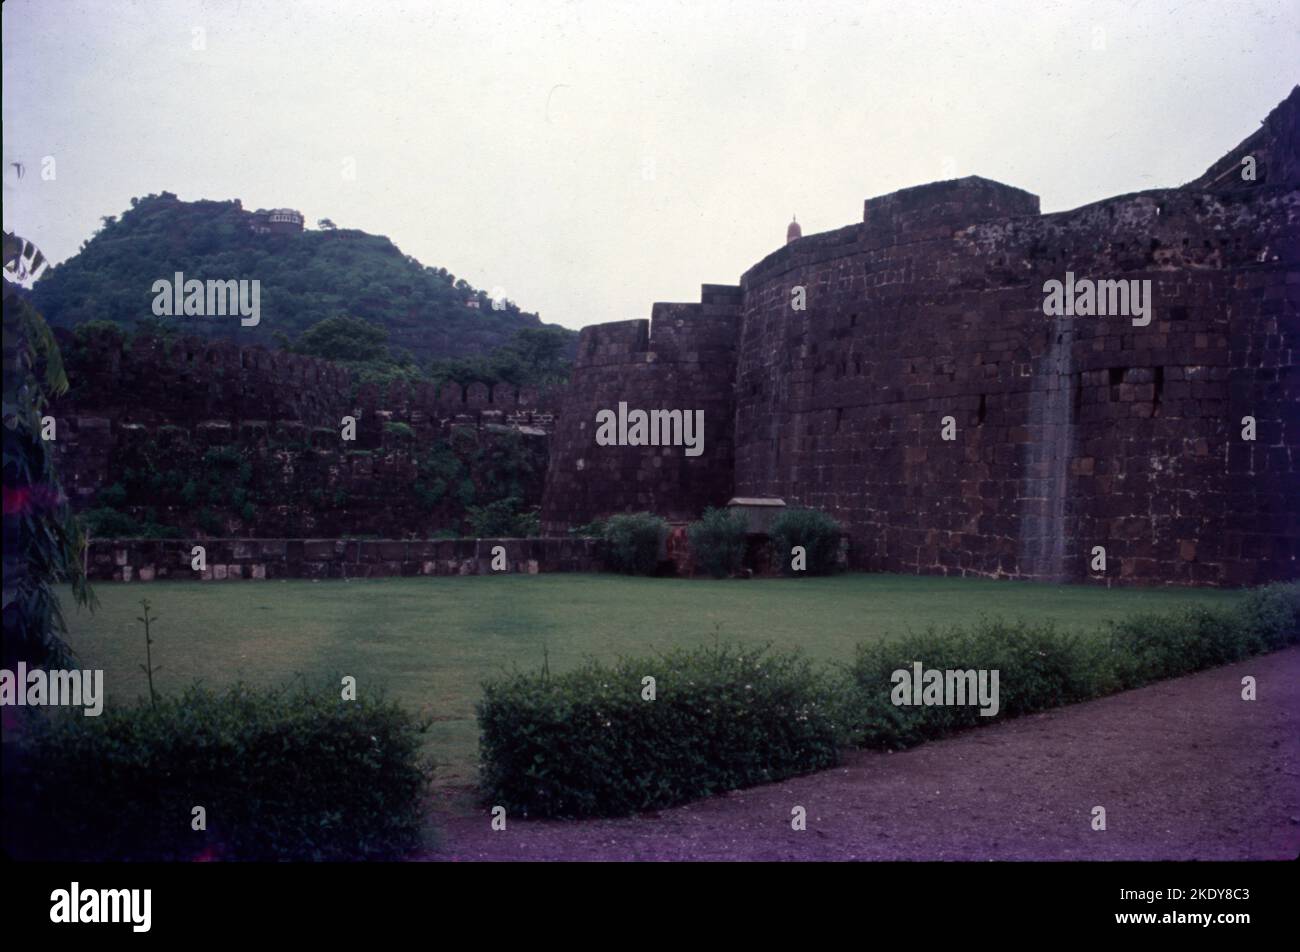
{"points": [[1185, 770]]}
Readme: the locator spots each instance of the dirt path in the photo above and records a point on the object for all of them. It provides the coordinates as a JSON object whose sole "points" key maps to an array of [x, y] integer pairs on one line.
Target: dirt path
{"points": [[1184, 768]]}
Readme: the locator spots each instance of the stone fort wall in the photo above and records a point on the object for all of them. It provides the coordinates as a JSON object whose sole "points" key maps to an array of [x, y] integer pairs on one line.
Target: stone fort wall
{"points": [[683, 358], [1070, 432], [165, 409], [185, 381]]}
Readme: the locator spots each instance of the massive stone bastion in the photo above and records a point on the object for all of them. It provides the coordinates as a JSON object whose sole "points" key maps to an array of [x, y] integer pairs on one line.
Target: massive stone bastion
{"points": [[933, 395]]}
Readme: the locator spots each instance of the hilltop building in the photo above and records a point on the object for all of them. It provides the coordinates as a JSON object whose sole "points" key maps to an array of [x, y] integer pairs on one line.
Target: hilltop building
{"points": [[276, 221]]}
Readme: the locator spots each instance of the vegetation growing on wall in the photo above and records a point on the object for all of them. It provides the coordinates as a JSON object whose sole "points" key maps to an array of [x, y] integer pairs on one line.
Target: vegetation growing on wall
{"points": [[470, 481]]}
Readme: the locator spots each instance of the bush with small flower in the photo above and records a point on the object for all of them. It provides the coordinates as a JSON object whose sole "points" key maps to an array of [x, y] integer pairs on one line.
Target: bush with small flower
{"points": [[591, 742]]}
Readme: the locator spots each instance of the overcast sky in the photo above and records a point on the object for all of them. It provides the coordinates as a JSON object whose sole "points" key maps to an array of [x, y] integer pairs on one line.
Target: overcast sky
{"points": [[591, 158]]}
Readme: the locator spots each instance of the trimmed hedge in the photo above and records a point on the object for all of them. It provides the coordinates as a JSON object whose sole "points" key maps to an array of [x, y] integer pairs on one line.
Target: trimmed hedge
{"points": [[1147, 648], [586, 743], [817, 532], [718, 541], [1040, 668], [284, 774], [632, 542]]}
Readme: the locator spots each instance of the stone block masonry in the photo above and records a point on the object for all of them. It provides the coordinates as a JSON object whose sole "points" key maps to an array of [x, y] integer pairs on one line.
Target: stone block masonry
{"points": [[682, 359], [1069, 433]]}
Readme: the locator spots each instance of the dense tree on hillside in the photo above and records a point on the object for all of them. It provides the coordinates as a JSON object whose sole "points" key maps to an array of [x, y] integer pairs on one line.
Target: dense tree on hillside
{"points": [[537, 356], [360, 346], [304, 278], [345, 338]]}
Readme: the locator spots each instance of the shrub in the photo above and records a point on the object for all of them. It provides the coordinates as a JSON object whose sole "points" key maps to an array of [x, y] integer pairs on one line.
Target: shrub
{"points": [[1148, 648], [209, 522], [632, 542], [107, 332], [1270, 615], [222, 457], [503, 520], [1040, 668], [107, 523], [1037, 669], [283, 774], [399, 429], [111, 497], [587, 744], [817, 532], [718, 541]]}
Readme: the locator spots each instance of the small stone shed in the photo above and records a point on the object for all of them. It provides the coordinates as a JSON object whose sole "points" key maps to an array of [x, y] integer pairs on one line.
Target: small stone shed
{"points": [[760, 510]]}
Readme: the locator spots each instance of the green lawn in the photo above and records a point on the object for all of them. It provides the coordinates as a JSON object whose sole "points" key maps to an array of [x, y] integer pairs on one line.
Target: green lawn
{"points": [[431, 641]]}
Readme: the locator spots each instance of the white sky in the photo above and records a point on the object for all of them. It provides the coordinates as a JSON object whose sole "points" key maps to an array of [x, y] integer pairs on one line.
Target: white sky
{"points": [[591, 158]]}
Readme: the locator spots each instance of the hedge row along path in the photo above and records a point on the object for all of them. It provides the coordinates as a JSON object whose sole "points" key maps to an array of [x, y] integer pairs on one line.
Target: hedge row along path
{"points": [[1185, 769]]}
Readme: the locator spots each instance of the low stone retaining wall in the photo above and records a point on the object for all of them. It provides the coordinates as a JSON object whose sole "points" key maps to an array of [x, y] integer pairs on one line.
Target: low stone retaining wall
{"points": [[144, 560]]}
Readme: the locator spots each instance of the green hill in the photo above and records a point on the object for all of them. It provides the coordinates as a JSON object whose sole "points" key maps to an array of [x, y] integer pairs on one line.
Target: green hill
{"points": [[305, 277]]}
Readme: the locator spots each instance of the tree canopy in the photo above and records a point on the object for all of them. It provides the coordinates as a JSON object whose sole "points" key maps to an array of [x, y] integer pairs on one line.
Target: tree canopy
{"points": [[305, 278]]}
